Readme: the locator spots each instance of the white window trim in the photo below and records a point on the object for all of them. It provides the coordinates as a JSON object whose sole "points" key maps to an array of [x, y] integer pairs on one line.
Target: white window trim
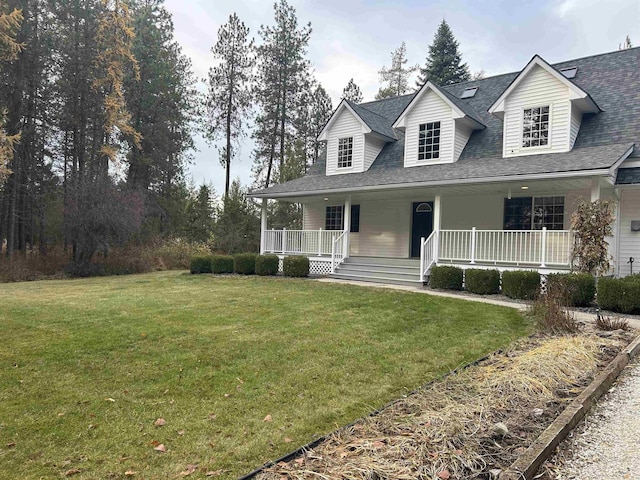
{"points": [[430, 160], [353, 143], [539, 147]]}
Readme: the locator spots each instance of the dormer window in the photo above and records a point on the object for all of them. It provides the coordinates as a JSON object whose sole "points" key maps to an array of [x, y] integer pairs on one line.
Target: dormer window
{"points": [[429, 141], [535, 127], [345, 152]]}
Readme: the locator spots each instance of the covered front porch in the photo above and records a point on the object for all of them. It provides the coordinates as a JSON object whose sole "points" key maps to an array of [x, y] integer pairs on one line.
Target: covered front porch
{"points": [[500, 225]]}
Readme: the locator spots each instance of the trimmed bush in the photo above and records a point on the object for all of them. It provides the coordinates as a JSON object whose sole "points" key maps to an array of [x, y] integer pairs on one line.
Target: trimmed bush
{"points": [[267, 264], [579, 289], [619, 294], [482, 282], [201, 264], [295, 266], [222, 264], [446, 277], [520, 284], [244, 263]]}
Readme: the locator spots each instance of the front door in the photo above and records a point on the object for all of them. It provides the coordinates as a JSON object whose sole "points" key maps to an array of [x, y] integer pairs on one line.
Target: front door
{"points": [[421, 224]]}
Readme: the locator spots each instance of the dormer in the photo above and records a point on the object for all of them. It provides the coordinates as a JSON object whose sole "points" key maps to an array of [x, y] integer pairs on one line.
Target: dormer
{"points": [[541, 110], [437, 127], [355, 136]]}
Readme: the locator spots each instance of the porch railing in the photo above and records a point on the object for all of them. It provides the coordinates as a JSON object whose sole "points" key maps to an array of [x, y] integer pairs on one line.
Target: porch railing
{"points": [[516, 247], [300, 242], [338, 250], [428, 254]]}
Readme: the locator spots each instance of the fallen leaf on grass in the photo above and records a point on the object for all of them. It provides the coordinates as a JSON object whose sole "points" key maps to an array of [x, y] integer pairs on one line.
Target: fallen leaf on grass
{"points": [[11, 445], [444, 475], [267, 418], [161, 448], [287, 440], [213, 473], [212, 416], [188, 470], [227, 395], [71, 471], [129, 473], [159, 422], [109, 399], [154, 443], [181, 432]]}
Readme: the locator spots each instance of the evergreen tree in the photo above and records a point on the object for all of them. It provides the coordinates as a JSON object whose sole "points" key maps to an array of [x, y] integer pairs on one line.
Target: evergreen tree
{"points": [[200, 214], [321, 110], [626, 44], [352, 92], [396, 78], [281, 83], [444, 64], [230, 97], [237, 227]]}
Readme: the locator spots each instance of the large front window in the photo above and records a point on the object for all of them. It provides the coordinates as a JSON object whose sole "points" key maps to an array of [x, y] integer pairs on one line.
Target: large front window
{"points": [[535, 127], [533, 213], [429, 141], [333, 218], [345, 152]]}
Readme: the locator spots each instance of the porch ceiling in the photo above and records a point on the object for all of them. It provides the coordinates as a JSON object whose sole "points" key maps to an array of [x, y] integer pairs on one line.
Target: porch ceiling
{"points": [[535, 187]]}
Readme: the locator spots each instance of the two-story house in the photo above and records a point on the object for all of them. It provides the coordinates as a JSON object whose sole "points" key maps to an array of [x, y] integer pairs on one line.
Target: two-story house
{"points": [[485, 173]]}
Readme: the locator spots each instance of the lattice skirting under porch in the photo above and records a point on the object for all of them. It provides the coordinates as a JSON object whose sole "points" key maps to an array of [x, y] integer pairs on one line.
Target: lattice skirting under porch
{"points": [[318, 266]]}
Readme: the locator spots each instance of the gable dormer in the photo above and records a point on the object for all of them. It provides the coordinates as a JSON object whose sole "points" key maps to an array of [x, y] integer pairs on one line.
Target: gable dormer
{"points": [[355, 136], [541, 111], [437, 127]]}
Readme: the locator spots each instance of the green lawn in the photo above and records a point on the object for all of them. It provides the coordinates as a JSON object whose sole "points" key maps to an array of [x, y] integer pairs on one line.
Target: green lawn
{"points": [[87, 366]]}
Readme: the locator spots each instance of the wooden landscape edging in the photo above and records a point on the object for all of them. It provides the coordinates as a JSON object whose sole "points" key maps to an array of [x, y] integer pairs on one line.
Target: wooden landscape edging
{"points": [[527, 465]]}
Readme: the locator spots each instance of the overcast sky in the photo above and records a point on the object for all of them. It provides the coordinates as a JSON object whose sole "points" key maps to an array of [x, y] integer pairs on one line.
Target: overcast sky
{"points": [[355, 38]]}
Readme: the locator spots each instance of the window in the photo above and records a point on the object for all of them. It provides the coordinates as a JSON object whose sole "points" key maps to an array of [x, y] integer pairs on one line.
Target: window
{"points": [[345, 152], [429, 141], [469, 92], [333, 218], [535, 127], [529, 213]]}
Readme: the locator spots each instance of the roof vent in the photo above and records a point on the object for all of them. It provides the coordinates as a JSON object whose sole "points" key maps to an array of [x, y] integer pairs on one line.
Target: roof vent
{"points": [[469, 92], [569, 72]]}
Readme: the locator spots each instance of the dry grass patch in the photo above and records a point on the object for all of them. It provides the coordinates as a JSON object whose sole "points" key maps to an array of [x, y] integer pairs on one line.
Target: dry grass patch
{"points": [[468, 425]]}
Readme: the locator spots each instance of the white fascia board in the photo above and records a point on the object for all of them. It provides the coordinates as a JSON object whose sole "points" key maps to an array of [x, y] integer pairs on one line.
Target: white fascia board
{"points": [[336, 114], [440, 183], [401, 120], [576, 92], [613, 170]]}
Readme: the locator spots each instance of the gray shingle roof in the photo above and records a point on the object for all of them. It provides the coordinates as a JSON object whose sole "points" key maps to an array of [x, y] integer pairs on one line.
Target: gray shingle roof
{"points": [[376, 122], [612, 80], [628, 176]]}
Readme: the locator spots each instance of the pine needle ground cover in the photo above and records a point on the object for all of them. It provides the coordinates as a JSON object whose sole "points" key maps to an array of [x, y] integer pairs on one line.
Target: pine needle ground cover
{"points": [[168, 374]]}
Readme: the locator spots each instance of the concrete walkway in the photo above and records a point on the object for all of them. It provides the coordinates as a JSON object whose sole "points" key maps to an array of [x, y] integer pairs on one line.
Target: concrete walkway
{"points": [[580, 316]]}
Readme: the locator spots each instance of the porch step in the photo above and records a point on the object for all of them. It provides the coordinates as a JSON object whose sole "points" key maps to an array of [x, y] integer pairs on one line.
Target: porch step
{"points": [[400, 271]]}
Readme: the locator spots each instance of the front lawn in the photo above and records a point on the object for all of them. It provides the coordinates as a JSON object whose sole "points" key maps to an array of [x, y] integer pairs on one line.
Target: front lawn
{"points": [[88, 366]]}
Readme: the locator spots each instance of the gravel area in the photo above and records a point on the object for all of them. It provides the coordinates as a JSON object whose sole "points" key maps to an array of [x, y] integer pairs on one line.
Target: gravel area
{"points": [[607, 443]]}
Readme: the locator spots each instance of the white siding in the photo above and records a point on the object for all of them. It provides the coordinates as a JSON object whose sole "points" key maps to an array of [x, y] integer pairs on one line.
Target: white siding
{"points": [[430, 108], [346, 125], [464, 212], [313, 216], [385, 229], [538, 89], [372, 147], [576, 120], [629, 242], [462, 135]]}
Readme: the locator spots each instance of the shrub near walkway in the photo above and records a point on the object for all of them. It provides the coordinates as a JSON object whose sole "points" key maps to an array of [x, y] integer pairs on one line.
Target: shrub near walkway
{"points": [[240, 369]]}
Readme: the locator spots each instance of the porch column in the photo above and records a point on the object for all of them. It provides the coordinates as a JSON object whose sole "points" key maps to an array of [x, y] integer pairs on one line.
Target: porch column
{"points": [[263, 226], [595, 189], [347, 223], [437, 225]]}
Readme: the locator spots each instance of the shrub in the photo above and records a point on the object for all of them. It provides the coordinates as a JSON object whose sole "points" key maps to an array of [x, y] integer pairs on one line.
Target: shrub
{"points": [[201, 264], [446, 277], [579, 288], [244, 263], [83, 270], [267, 264], [619, 294], [550, 315], [482, 282], [520, 284], [295, 266], [611, 323], [222, 264]]}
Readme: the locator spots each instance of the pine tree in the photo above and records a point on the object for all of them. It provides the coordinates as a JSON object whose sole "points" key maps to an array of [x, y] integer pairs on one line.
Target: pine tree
{"points": [[396, 78], [321, 110], [352, 92], [282, 79], [237, 227], [626, 44], [230, 96], [444, 64]]}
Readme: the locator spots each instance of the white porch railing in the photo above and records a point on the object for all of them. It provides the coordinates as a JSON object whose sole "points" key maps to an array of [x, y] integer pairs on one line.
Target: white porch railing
{"points": [[516, 247], [338, 250], [300, 242], [428, 254]]}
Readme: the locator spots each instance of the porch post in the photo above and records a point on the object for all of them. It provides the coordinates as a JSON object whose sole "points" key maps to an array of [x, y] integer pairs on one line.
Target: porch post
{"points": [[543, 247], [437, 224], [472, 253], [347, 224], [595, 189], [320, 242], [263, 227], [284, 241]]}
